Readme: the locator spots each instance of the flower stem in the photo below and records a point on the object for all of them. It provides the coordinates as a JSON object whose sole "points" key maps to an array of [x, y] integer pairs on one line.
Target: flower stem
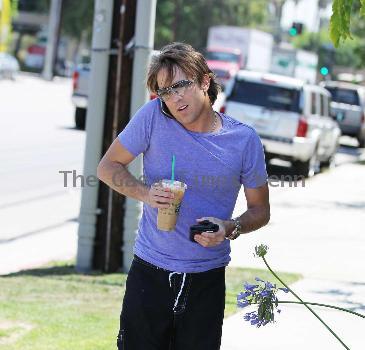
{"points": [[305, 304], [324, 305]]}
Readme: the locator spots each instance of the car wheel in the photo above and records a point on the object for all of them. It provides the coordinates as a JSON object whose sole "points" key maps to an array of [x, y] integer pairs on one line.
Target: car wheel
{"points": [[330, 163], [361, 140], [308, 168], [80, 118]]}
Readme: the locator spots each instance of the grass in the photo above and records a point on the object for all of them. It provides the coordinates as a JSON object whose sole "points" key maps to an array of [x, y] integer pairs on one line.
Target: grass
{"points": [[55, 308]]}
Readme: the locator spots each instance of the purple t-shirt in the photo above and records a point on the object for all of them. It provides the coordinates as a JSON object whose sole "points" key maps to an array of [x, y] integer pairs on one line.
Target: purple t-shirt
{"points": [[213, 165]]}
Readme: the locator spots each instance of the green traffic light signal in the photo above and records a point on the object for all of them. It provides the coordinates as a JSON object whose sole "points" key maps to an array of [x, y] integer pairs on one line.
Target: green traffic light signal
{"points": [[324, 70], [293, 31]]}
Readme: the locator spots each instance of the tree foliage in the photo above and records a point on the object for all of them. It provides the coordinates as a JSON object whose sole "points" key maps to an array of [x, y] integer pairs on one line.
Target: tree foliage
{"points": [[349, 53], [38, 6], [189, 20], [340, 23], [77, 17]]}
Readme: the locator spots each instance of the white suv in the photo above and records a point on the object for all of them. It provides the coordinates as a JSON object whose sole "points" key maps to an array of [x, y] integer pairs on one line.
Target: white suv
{"points": [[292, 118]]}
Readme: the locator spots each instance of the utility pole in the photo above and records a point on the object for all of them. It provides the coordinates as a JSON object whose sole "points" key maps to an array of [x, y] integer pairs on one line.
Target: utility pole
{"points": [[108, 221], [278, 11], [101, 38], [144, 38], [109, 228], [52, 39]]}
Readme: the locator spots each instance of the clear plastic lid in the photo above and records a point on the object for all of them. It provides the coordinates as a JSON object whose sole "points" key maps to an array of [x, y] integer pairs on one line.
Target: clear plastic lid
{"points": [[178, 185]]}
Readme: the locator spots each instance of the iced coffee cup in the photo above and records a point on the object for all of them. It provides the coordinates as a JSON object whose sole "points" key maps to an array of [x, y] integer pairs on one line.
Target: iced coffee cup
{"points": [[167, 217]]}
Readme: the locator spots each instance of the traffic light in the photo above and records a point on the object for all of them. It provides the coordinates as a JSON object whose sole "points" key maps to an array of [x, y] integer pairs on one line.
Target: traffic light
{"points": [[296, 29], [326, 60], [324, 71]]}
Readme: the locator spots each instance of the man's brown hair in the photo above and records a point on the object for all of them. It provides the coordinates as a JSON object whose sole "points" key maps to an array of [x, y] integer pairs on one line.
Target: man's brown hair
{"points": [[190, 61]]}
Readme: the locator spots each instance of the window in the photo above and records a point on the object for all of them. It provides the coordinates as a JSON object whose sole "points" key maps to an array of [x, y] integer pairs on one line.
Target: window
{"points": [[322, 105], [313, 103], [265, 95], [326, 105], [346, 96]]}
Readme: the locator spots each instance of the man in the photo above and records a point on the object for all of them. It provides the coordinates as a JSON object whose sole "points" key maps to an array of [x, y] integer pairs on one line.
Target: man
{"points": [[175, 291]]}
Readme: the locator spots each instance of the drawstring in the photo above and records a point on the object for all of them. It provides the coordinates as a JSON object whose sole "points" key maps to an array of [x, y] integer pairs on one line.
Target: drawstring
{"points": [[181, 288]]}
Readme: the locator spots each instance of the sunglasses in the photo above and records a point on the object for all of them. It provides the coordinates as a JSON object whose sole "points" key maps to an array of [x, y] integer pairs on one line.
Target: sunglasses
{"points": [[178, 88]]}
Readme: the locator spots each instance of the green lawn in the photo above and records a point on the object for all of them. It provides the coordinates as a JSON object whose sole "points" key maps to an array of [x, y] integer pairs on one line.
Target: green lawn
{"points": [[54, 308]]}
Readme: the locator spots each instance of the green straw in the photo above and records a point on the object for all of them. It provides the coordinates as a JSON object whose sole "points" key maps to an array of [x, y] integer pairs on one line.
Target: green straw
{"points": [[173, 169]]}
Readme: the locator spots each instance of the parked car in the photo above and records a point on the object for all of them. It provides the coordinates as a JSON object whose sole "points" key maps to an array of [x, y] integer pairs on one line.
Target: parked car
{"points": [[9, 66], [80, 90], [80, 93], [348, 106], [292, 118]]}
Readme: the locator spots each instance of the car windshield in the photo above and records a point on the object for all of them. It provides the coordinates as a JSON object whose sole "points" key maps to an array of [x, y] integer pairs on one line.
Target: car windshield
{"points": [[265, 95], [346, 96], [222, 56]]}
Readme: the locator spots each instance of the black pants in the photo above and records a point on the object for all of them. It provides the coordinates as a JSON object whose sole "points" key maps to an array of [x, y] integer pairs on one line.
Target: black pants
{"points": [[163, 310]]}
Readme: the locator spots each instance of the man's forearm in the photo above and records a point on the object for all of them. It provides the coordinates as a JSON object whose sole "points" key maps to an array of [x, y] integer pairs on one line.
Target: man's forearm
{"points": [[117, 177], [251, 220]]}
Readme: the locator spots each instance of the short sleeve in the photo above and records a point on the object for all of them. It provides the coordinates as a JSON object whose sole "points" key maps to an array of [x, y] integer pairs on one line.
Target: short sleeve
{"points": [[135, 137], [253, 172]]}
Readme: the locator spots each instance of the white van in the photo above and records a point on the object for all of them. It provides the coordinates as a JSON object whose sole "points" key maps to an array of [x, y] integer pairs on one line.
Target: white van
{"points": [[292, 118]]}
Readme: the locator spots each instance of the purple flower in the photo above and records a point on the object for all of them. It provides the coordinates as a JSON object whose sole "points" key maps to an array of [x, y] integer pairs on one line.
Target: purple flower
{"points": [[255, 321], [247, 316], [242, 304], [243, 295], [264, 296], [250, 287], [269, 285], [265, 293]]}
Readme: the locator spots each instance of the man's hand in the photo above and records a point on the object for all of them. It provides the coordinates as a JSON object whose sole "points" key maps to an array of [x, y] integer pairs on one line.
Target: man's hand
{"points": [[211, 239], [159, 197]]}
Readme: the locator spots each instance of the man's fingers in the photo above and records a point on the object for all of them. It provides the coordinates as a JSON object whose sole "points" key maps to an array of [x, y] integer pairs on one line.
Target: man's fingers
{"points": [[162, 200], [163, 192], [207, 239], [201, 240], [209, 235]]}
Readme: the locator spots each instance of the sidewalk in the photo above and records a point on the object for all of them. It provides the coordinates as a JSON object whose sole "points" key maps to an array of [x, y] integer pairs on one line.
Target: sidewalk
{"points": [[317, 231], [59, 243], [330, 255], [296, 327]]}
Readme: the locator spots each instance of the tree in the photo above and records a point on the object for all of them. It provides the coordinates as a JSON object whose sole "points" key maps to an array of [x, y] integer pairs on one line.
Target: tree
{"points": [[77, 18], [341, 19], [189, 20], [349, 54], [39, 6]]}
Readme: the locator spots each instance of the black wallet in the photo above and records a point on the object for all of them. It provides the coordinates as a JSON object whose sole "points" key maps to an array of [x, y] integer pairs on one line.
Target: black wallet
{"points": [[203, 226]]}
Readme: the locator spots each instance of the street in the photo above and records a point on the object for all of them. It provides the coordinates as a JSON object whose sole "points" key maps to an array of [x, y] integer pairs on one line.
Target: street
{"points": [[315, 230], [38, 139], [318, 223]]}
